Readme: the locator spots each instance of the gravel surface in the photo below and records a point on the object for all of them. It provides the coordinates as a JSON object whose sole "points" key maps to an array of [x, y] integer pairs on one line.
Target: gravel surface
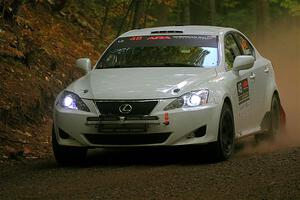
{"points": [[157, 174]]}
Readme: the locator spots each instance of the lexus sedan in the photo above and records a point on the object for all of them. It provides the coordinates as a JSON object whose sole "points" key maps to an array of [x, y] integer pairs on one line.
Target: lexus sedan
{"points": [[168, 86]]}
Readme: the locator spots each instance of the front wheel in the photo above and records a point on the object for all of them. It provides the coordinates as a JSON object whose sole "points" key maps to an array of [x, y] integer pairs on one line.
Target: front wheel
{"points": [[225, 144], [65, 155]]}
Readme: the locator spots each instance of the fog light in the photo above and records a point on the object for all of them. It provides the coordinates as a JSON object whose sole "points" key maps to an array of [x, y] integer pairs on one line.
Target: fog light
{"points": [[200, 132], [63, 134], [191, 135]]}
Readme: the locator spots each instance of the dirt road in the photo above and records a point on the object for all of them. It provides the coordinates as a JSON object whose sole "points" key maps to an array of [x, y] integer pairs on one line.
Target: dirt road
{"points": [[158, 174]]}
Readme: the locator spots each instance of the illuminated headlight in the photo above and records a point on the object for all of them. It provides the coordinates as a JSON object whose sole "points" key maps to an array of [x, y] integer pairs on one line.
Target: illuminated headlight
{"points": [[72, 101], [188, 100]]}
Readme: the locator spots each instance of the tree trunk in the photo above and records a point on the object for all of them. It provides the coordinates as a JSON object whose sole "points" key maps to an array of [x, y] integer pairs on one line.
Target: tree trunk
{"points": [[138, 11], [129, 23], [200, 12], [15, 6], [213, 12], [107, 8], [135, 14], [262, 20], [147, 6], [162, 12], [59, 5], [9, 9], [186, 12], [2, 6], [125, 17]]}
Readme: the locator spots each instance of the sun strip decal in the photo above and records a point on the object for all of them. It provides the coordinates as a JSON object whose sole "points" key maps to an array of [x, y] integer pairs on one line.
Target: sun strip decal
{"points": [[166, 40], [243, 91]]}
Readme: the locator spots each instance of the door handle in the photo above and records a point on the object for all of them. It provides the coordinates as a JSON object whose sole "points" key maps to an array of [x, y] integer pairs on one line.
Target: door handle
{"points": [[252, 76], [267, 70]]}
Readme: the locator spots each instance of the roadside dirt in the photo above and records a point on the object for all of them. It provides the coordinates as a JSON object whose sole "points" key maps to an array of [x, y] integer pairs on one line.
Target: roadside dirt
{"points": [[38, 49]]}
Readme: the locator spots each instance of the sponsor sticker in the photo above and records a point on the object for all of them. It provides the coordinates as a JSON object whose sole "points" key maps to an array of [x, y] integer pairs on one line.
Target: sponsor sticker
{"points": [[166, 40], [243, 91]]}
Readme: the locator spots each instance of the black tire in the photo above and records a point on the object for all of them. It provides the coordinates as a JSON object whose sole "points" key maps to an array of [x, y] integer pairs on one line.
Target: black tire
{"points": [[275, 125], [66, 155], [224, 147], [275, 116]]}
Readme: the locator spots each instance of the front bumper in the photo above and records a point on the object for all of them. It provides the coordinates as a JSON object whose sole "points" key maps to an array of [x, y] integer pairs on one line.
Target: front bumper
{"points": [[90, 129]]}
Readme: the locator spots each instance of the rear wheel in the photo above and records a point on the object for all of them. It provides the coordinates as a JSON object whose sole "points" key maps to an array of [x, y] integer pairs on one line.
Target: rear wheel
{"points": [[224, 146], [274, 127], [275, 116], [65, 155]]}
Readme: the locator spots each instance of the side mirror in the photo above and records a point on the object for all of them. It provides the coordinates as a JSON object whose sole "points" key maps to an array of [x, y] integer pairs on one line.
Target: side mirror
{"points": [[243, 62], [85, 64]]}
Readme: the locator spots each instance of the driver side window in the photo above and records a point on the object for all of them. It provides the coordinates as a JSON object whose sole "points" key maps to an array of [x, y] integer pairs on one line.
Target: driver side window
{"points": [[231, 50], [246, 47]]}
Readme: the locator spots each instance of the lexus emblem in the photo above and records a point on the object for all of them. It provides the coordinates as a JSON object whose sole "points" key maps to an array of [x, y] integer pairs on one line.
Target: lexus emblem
{"points": [[125, 108]]}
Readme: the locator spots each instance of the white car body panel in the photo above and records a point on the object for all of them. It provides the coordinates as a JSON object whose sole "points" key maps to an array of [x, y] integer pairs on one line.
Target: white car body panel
{"points": [[159, 84]]}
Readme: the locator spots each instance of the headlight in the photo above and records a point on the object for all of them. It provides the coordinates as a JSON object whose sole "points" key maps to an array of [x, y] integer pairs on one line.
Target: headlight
{"points": [[72, 101], [191, 99]]}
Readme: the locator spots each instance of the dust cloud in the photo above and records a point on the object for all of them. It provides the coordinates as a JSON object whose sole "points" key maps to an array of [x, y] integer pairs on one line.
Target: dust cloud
{"points": [[282, 46]]}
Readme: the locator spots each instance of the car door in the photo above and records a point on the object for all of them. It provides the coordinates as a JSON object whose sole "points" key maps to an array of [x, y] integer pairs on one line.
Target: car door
{"points": [[243, 83], [260, 73]]}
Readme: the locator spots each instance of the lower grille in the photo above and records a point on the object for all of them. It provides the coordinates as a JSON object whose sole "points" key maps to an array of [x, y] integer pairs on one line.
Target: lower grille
{"points": [[127, 139], [127, 128]]}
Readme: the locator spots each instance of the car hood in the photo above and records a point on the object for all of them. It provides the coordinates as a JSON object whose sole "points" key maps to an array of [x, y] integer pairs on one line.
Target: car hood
{"points": [[140, 83]]}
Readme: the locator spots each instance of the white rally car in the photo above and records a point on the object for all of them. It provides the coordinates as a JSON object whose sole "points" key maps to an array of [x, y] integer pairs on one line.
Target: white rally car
{"points": [[168, 86]]}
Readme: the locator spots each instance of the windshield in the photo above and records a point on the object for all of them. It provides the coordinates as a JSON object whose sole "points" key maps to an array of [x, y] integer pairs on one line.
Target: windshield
{"points": [[162, 51]]}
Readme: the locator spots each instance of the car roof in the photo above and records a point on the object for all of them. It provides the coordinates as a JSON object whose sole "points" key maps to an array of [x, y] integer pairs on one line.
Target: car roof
{"points": [[171, 30]]}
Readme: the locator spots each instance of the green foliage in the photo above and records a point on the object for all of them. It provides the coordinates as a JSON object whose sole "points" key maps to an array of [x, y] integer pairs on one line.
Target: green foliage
{"points": [[231, 3], [237, 14], [293, 6], [108, 17], [246, 23]]}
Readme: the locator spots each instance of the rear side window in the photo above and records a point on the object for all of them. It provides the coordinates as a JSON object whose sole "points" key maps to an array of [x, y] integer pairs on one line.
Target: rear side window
{"points": [[231, 50], [244, 44]]}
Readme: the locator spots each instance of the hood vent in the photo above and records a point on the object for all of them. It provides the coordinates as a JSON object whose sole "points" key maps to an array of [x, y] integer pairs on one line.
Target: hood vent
{"points": [[159, 32]]}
